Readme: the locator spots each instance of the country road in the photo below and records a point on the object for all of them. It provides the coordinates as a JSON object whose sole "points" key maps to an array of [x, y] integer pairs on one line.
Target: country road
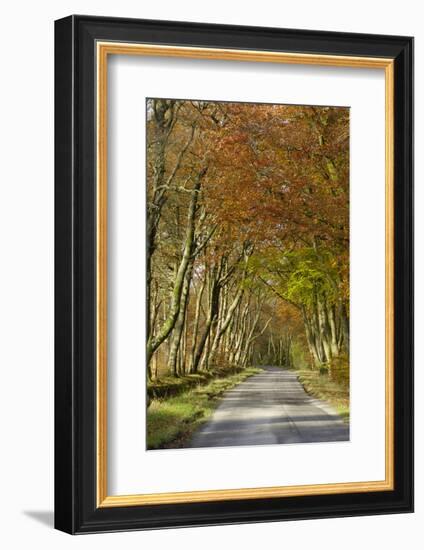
{"points": [[267, 408]]}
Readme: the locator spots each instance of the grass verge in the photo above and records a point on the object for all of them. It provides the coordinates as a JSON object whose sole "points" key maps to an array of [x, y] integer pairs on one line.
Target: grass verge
{"points": [[323, 387], [171, 422], [170, 386]]}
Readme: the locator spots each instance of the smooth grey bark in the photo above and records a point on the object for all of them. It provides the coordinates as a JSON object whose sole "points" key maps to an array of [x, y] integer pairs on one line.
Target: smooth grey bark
{"points": [[179, 324], [214, 292], [165, 116], [225, 323], [153, 343], [335, 348], [196, 323], [311, 337], [345, 327], [323, 327]]}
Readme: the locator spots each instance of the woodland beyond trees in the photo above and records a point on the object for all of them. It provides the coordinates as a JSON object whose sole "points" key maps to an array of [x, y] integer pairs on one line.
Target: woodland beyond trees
{"points": [[247, 236]]}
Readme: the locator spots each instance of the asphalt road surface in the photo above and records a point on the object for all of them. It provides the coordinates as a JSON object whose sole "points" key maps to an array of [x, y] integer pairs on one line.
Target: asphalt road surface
{"points": [[267, 408]]}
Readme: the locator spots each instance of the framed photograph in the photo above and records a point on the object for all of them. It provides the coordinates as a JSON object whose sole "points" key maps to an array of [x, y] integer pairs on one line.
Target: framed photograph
{"points": [[234, 268]]}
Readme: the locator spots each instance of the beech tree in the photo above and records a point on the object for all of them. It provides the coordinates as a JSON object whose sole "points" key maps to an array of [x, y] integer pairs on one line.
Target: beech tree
{"points": [[247, 235]]}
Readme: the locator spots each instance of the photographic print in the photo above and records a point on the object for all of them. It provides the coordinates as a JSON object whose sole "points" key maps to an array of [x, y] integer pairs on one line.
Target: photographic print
{"points": [[247, 270], [233, 274]]}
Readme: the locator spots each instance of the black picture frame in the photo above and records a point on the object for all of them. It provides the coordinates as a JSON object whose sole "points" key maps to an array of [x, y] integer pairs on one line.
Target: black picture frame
{"points": [[76, 510]]}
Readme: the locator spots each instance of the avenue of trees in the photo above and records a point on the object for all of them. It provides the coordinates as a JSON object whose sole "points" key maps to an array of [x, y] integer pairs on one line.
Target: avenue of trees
{"points": [[247, 235]]}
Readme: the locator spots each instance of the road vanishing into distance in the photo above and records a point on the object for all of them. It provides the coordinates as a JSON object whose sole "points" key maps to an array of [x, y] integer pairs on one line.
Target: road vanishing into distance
{"points": [[267, 408]]}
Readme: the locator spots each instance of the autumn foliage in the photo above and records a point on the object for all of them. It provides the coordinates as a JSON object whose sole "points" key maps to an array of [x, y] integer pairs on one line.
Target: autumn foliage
{"points": [[247, 235]]}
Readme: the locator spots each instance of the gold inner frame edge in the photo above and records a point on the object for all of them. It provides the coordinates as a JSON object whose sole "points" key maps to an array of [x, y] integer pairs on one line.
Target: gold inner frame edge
{"points": [[103, 49]]}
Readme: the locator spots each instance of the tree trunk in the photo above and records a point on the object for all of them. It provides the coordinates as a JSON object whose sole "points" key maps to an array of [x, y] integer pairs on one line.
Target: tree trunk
{"points": [[179, 324], [196, 324], [345, 327], [335, 349], [222, 327], [212, 314], [324, 332], [311, 339], [154, 342]]}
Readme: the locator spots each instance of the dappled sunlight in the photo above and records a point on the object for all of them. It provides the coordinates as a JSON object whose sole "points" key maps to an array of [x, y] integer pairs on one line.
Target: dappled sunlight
{"points": [[283, 414], [247, 264]]}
